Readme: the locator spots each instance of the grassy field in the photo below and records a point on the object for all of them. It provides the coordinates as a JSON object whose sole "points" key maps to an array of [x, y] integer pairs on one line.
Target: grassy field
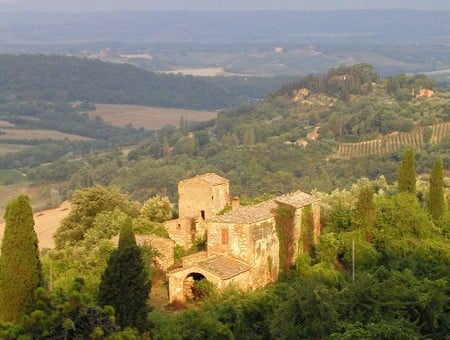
{"points": [[9, 148], [12, 133], [45, 224], [39, 197], [151, 118]]}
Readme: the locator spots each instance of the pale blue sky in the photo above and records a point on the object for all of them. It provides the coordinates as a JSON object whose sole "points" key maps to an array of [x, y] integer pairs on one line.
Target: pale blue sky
{"points": [[218, 5]]}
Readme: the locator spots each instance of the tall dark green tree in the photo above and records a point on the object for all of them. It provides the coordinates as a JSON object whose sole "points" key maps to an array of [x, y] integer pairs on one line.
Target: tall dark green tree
{"points": [[436, 201], [365, 207], [407, 172], [125, 284], [20, 267]]}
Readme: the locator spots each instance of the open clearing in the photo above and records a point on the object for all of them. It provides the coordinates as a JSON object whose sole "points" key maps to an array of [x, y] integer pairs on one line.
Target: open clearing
{"points": [[205, 72], [38, 134], [10, 148], [46, 223], [151, 118]]}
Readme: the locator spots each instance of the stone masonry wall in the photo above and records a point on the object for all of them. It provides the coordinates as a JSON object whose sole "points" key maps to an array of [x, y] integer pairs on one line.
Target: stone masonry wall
{"points": [[237, 244], [264, 247], [164, 246], [194, 196], [180, 230]]}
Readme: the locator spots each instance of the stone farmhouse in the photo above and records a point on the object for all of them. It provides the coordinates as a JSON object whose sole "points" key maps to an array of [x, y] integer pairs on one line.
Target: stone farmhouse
{"points": [[242, 242]]}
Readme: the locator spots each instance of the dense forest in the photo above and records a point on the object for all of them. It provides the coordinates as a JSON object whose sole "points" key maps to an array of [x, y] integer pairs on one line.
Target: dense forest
{"points": [[63, 79]]}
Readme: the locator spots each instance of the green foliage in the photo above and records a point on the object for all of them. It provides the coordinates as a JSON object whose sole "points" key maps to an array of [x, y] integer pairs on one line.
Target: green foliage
{"points": [[106, 225], [126, 236], [20, 267], [202, 289], [306, 240], [284, 219], [364, 210], [157, 209], [86, 205], [57, 315], [403, 87], [436, 201], [62, 266], [407, 172], [340, 82], [125, 284], [297, 315], [142, 225], [70, 79]]}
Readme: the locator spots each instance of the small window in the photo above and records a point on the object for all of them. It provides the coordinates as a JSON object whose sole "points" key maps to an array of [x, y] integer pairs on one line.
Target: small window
{"points": [[202, 213], [224, 236], [212, 197], [178, 226]]}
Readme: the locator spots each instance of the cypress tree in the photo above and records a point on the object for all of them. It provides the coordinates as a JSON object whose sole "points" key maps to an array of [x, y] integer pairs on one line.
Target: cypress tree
{"points": [[436, 201], [407, 173], [20, 267], [365, 208], [125, 284]]}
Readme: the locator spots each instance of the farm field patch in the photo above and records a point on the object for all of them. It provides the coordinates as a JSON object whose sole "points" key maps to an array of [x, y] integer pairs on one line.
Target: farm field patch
{"points": [[151, 118], [38, 134]]}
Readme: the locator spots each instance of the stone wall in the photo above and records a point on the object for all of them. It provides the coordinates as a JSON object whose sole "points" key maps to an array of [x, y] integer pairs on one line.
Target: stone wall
{"points": [[180, 230], [164, 246], [255, 243], [221, 195], [264, 247], [229, 239], [316, 214], [194, 196], [199, 199]]}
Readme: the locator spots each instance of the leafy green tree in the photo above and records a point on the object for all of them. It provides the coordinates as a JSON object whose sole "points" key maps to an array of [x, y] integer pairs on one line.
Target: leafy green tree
{"points": [[125, 285], [157, 209], [436, 200], [86, 204], [20, 267], [407, 172]]}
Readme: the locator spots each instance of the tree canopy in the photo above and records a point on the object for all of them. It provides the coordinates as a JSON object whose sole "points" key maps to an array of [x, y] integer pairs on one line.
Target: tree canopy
{"points": [[20, 267], [125, 284]]}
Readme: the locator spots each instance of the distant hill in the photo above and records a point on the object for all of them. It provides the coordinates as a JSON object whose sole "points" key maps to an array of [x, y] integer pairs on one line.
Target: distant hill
{"points": [[58, 78]]}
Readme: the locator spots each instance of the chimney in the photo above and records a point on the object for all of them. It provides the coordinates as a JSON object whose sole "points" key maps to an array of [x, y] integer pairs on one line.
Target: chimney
{"points": [[235, 204]]}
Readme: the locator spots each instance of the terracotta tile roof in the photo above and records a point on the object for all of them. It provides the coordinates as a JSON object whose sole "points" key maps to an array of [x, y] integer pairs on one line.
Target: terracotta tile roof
{"points": [[212, 178], [223, 266], [263, 211], [248, 214], [296, 199]]}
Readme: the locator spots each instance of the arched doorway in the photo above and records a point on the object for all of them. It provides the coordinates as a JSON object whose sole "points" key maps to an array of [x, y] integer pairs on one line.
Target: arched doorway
{"points": [[188, 285]]}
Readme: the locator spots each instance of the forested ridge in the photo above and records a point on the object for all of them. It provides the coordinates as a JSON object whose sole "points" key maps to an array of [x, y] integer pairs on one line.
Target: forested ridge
{"points": [[62, 79]]}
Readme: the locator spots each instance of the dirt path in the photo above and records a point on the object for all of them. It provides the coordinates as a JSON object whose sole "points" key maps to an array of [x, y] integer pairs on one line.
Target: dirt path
{"points": [[46, 223]]}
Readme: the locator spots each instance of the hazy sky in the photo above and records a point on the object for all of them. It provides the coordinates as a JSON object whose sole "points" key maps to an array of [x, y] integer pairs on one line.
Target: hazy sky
{"points": [[218, 5]]}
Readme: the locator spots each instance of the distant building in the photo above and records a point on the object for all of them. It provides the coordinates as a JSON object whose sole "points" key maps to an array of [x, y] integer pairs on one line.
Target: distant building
{"points": [[278, 49], [425, 93]]}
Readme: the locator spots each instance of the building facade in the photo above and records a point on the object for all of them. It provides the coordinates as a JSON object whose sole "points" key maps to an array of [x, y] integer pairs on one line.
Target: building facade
{"points": [[243, 243]]}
